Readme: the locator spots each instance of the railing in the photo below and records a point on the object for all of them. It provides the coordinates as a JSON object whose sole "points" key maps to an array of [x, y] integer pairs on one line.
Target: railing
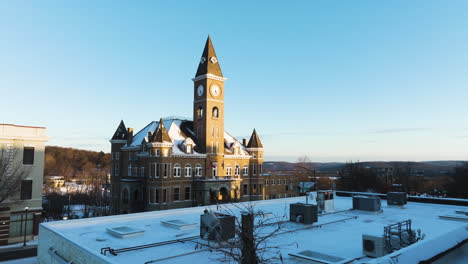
{"points": [[115, 252]]}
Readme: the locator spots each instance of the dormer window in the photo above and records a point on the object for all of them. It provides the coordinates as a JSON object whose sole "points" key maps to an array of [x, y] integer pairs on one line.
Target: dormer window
{"points": [[215, 112], [188, 145]]}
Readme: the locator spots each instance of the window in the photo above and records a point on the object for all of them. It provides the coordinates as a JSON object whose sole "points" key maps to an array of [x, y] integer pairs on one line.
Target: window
{"points": [[166, 170], [26, 189], [28, 155], [164, 195], [176, 170], [151, 196], [176, 194], [228, 170], [200, 112], [255, 155], [244, 189], [142, 171], [117, 155], [254, 190], [129, 173], [117, 169], [187, 193], [188, 149], [135, 171], [158, 152], [237, 170], [245, 170], [125, 196], [136, 195], [266, 182], [188, 170], [254, 171], [259, 155], [215, 112], [273, 182], [259, 169], [157, 195], [157, 169], [198, 170], [214, 171]]}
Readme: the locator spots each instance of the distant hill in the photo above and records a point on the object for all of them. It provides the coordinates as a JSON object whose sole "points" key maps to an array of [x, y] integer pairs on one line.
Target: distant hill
{"points": [[431, 168], [71, 163]]}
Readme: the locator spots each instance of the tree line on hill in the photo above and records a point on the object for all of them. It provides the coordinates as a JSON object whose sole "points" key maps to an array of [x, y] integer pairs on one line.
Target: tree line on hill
{"points": [[88, 173], [74, 163]]}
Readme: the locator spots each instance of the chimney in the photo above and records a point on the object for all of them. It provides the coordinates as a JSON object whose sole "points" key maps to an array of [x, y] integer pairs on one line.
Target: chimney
{"points": [[244, 142], [130, 135]]}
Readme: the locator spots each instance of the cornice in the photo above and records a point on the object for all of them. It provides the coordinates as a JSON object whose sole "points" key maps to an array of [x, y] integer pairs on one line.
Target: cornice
{"points": [[209, 76]]}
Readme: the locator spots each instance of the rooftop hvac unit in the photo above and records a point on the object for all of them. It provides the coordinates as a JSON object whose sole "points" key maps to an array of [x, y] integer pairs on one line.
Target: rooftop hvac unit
{"points": [[303, 213], [396, 198], [217, 226], [373, 246], [366, 203], [325, 201]]}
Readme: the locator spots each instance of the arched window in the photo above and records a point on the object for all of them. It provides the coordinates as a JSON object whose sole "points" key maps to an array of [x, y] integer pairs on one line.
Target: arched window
{"points": [[198, 170], [176, 170], [200, 112], [125, 196], [215, 112], [188, 170]]}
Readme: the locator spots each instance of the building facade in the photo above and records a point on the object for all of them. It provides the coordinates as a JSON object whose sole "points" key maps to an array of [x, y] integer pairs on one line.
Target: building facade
{"points": [[22, 163], [174, 163]]}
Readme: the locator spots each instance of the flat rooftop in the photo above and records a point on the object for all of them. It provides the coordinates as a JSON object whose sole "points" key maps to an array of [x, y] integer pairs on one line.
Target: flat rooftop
{"points": [[338, 234]]}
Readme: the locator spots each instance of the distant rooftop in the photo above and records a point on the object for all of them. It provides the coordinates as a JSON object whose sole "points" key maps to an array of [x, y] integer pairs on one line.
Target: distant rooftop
{"points": [[339, 235]]}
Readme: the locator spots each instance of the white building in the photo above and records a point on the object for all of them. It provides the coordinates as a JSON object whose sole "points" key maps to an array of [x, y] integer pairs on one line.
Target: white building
{"points": [[337, 237], [22, 147]]}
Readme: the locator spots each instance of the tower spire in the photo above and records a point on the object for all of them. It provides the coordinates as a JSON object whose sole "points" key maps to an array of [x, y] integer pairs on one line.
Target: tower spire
{"points": [[161, 133], [209, 61], [254, 141]]}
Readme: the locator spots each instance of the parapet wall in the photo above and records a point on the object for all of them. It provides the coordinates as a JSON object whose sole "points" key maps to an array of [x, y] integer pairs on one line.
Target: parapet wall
{"points": [[55, 249]]}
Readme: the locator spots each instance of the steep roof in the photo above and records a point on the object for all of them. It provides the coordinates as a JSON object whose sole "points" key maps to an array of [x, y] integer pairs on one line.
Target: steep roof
{"points": [[120, 132], [161, 133], [209, 61], [254, 141], [178, 130]]}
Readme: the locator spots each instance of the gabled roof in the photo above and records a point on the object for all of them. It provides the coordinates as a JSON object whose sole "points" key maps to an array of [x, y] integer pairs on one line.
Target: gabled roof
{"points": [[120, 132], [209, 63], [254, 141], [161, 133]]}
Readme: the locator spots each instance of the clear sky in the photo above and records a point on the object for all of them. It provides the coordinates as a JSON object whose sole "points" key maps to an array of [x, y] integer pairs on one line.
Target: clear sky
{"points": [[333, 80]]}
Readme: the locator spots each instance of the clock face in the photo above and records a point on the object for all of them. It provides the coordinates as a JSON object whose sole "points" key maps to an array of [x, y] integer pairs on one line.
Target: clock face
{"points": [[200, 90], [215, 90]]}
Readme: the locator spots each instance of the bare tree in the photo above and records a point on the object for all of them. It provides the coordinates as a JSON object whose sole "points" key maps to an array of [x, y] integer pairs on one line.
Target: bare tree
{"points": [[12, 173], [251, 243], [304, 170]]}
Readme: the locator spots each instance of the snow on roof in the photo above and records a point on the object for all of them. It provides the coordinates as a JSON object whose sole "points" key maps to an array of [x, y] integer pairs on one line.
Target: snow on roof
{"points": [[336, 238], [178, 136], [230, 141]]}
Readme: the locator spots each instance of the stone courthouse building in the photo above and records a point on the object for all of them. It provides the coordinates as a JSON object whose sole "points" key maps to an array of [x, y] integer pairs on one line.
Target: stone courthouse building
{"points": [[174, 163]]}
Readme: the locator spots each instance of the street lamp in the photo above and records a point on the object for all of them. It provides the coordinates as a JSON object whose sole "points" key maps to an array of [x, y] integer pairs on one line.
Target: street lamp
{"points": [[25, 224]]}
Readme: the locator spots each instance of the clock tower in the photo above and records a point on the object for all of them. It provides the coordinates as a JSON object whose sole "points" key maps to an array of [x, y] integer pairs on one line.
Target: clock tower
{"points": [[208, 103]]}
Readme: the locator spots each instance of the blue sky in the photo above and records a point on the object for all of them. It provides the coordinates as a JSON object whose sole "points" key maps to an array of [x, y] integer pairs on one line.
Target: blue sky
{"points": [[333, 80]]}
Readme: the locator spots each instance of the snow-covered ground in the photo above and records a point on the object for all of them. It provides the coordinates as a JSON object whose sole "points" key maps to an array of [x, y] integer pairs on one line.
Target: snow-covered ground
{"points": [[341, 239]]}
